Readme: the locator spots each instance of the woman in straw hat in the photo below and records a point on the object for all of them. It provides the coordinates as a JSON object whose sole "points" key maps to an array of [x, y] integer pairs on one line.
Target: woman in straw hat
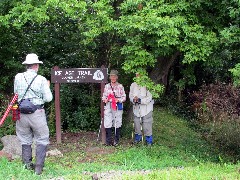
{"points": [[113, 97]]}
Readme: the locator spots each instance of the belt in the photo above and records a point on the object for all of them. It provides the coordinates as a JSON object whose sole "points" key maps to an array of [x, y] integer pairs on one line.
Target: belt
{"points": [[41, 106]]}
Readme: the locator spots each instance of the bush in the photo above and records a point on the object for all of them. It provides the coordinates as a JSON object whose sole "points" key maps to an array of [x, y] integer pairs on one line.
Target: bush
{"points": [[51, 118], [227, 134], [216, 102], [84, 118], [80, 107], [217, 109], [8, 128]]}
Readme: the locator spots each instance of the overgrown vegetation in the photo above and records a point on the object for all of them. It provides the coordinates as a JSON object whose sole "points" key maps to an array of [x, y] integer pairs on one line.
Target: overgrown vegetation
{"points": [[194, 41], [217, 108]]}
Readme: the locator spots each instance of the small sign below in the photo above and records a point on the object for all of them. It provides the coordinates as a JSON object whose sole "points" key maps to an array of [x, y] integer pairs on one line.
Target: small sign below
{"points": [[79, 75]]}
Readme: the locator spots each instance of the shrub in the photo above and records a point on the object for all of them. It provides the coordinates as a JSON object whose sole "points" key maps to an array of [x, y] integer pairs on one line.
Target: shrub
{"points": [[217, 109], [51, 118], [227, 134], [80, 107], [8, 128], [216, 102]]}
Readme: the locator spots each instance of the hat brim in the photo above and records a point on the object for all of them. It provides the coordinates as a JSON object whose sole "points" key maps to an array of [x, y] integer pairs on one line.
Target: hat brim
{"points": [[37, 62]]}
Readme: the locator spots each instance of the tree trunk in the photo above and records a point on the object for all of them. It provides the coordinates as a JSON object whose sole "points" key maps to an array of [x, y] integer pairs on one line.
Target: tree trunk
{"points": [[161, 69]]}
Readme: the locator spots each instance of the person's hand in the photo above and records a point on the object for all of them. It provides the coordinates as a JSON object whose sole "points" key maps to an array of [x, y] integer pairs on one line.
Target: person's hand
{"points": [[139, 101], [135, 99], [48, 82], [105, 100]]}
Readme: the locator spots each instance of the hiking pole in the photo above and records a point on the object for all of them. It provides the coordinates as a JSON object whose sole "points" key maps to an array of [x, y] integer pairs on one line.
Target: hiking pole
{"points": [[100, 129], [140, 119], [115, 123], [133, 131], [14, 99]]}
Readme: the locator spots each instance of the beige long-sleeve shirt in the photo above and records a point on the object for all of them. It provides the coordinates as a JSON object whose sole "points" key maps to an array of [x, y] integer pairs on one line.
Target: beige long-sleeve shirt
{"points": [[147, 102]]}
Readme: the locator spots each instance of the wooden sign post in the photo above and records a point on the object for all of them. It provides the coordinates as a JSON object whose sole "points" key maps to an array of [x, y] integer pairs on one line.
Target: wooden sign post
{"points": [[77, 75]]}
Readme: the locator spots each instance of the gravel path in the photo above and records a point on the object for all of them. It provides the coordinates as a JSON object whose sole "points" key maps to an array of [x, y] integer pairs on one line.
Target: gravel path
{"points": [[116, 175]]}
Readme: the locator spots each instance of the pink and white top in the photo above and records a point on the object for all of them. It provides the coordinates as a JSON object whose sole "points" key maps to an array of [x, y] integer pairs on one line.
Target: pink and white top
{"points": [[116, 90]]}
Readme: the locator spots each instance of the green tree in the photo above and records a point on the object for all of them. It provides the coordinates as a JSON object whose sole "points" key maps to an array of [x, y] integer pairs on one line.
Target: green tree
{"points": [[153, 34]]}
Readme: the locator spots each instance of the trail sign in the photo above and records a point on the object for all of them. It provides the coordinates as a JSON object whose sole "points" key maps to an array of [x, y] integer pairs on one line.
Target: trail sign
{"points": [[79, 75]]}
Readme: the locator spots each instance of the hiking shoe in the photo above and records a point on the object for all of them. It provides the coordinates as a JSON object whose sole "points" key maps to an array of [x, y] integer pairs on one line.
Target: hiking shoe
{"points": [[115, 144], [108, 144], [136, 142], [29, 166]]}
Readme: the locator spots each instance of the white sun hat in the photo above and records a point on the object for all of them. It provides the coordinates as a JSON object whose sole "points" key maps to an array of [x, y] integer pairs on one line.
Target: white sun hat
{"points": [[32, 59]]}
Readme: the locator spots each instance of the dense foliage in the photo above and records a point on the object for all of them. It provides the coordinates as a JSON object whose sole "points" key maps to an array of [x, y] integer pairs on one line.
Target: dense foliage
{"points": [[173, 44]]}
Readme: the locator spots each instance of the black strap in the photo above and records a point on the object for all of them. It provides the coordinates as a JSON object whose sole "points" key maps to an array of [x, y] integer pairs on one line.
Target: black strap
{"points": [[31, 88], [113, 91], [28, 87]]}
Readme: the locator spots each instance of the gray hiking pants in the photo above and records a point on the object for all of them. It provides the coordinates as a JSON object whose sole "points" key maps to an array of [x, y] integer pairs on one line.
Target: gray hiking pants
{"points": [[112, 117], [145, 122], [33, 126]]}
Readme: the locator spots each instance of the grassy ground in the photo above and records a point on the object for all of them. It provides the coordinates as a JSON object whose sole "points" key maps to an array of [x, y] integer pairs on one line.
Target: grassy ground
{"points": [[178, 153]]}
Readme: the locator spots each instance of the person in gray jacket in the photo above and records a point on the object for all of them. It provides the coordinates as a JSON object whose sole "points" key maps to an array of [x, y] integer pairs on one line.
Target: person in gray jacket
{"points": [[142, 102]]}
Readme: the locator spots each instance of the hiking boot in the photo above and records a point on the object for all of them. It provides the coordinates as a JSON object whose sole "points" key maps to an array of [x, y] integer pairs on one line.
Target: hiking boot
{"points": [[117, 137], [108, 144], [108, 136], [149, 140], [137, 139], [115, 144], [40, 158], [27, 157], [29, 166]]}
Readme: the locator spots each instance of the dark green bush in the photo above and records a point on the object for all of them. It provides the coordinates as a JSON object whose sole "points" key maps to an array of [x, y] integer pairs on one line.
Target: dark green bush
{"points": [[225, 134], [85, 118], [51, 118], [80, 107], [8, 128]]}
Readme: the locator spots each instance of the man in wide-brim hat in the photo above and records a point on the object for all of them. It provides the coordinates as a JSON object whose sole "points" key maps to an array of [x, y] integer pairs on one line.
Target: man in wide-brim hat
{"points": [[35, 88]]}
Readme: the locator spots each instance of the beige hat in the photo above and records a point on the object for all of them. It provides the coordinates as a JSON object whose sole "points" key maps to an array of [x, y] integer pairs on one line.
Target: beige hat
{"points": [[114, 72], [32, 59]]}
